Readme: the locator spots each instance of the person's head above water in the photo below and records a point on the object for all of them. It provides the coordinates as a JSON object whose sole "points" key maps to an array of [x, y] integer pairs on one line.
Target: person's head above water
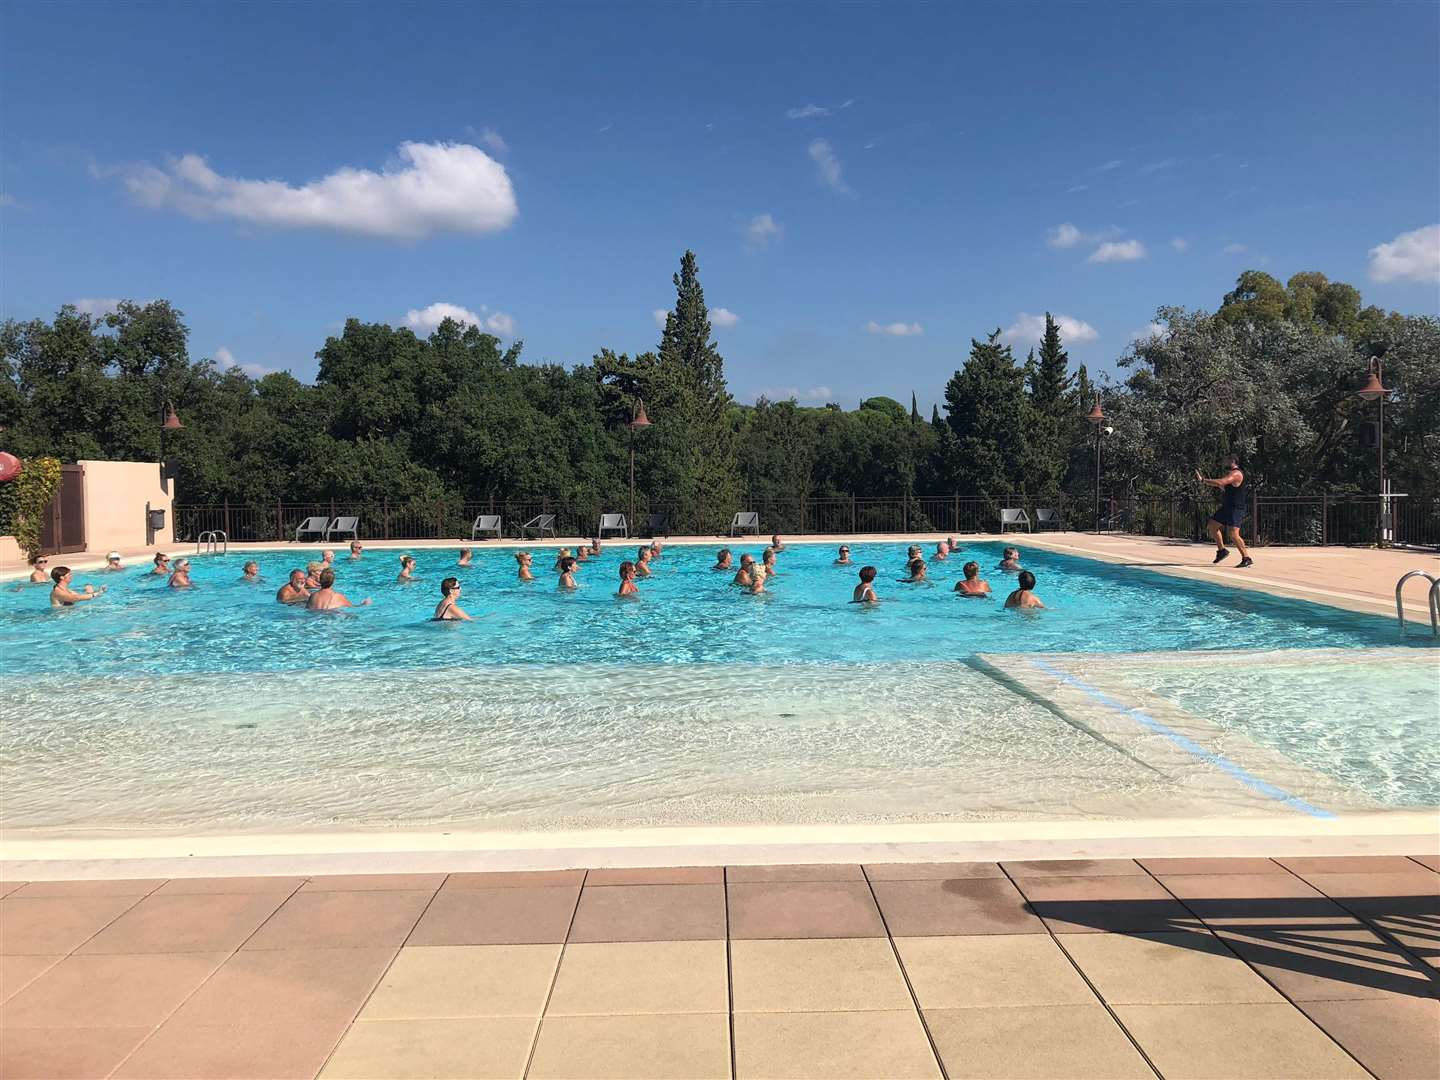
{"points": [[59, 574], [327, 578], [917, 567], [251, 567], [161, 557], [972, 570], [567, 564], [449, 585], [356, 547], [867, 574], [844, 551], [297, 578], [746, 559], [627, 570], [1026, 580], [1012, 553]]}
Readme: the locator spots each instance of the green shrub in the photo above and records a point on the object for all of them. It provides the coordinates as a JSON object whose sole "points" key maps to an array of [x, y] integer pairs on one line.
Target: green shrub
{"points": [[24, 499]]}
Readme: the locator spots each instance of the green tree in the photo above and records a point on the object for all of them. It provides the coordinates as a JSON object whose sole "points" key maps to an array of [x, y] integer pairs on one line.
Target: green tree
{"points": [[991, 418]]}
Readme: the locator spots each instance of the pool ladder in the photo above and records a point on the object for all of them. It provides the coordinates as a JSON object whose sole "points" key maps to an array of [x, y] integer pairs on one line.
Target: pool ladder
{"points": [[1434, 599], [214, 541]]}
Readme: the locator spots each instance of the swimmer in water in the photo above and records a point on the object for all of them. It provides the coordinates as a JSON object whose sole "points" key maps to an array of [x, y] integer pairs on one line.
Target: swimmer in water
{"points": [[1024, 596], [112, 562], [180, 579], [642, 562], [62, 595], [250, 571], [972, 585], [1011, 561], [627, 579], [407, 569], [942, 552], [355, 549], [561, 557], [758, 574], [776, 544], [951, 546], [448, 609], [917, 571], [464, 557], [767, 558], [522, 558], [654, 550], [595, 547], [581, 554], [843, 559], [312, 575], [722, 560], [327, 557], [865, 591], [39, 573], [294, 590], [326, 598], [742, 576], [162, 564], [567, 573]]}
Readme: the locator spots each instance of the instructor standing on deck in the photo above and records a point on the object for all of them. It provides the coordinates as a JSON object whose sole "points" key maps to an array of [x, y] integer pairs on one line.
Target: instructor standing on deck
{"points": [[1226, 520]]}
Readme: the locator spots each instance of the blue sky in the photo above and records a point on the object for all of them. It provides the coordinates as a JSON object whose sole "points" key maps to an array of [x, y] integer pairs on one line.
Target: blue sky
{"points": [[866, 186]]}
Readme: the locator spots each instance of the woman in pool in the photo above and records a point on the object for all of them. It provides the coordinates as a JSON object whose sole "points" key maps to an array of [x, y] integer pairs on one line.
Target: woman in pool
{"points": [[1011, 560], [567, 572], [180, 579], [581, 554], [642, 562], [594, 547], [972, 585], [722, 560], [162, 565], [742, 576], [560, 558], [327, 557], [917, 571], [942, 552], [112, 562], [407, 569], [312, 575], [1024, 596], [865, 591], [355, 549], [39, 573], [448, 610], [327, 597], [951, 546], [654, 550], [522, 558], [627, 579], [250, 571], [62, 595], [843, 558], [758, 574], [464, 557], [768, 561]]}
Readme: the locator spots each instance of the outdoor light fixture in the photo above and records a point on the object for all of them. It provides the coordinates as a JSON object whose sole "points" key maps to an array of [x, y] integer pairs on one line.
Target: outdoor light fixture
{"points": [[1097, 418], [171, 421], [638, 422], [1376, 391]]}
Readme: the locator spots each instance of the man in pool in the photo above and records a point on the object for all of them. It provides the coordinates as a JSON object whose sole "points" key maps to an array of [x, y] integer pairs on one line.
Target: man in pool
{"points": [[294, 590], [1024, 596], [865, 591], [1010, 561], [1230, 515], [162, 565], [464, 557], [972, 585], [917, 571], [112, 562], [942, 552], [742, 576], [522, 560], [951, 545], [627, 580], [62, 595], [39, 573], [843, 556], [722, 560], [642, 561], [355, 549], [327, 598], [407, 569], [327, 557], [448, 609], [776, 544]]}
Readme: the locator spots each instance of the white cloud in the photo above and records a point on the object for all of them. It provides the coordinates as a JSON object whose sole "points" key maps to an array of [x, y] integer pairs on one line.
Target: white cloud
{"points": [[1029, 329], [491, 138], [1110, 165], [895, 329], [1063, 236], [432, 188], [225, 360], [723, 317], [1233, 249], [425, 320], [659, 315], [805, 112], [1077, 187], [1156, 166], [1411, 256], [762, 229], [96, 307], [1150, 330], [1118, 251], [1179, 243], [823, 154], [786, 393]]}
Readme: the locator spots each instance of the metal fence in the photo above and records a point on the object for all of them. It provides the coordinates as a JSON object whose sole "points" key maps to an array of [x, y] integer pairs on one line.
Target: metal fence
{"points": [[1273, 519]]}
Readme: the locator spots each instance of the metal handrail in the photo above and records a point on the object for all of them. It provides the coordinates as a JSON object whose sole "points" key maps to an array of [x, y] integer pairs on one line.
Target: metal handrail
{"points": [[1433, 596], [212, 540]]}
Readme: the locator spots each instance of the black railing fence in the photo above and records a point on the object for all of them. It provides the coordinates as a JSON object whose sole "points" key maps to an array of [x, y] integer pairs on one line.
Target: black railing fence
{"points": [[1273, 519]]}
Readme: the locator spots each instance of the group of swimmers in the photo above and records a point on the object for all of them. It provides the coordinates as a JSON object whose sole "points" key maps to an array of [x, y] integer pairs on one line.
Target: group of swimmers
{"points": [[971, 585]]}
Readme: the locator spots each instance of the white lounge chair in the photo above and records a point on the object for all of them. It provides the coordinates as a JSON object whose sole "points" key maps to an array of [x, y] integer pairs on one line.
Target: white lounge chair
{"points": [[486, 523], [746, 519], [1047, 516], [1013, 518], [316, 525], [341, 526], [540, 523], [614, 523]]}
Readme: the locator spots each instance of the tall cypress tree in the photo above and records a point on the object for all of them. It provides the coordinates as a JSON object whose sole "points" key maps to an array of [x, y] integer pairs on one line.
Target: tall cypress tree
{"points": [[992, 421], [1050, 379]]}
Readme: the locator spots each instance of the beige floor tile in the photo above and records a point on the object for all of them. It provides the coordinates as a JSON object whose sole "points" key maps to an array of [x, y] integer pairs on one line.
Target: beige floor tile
{"points": [[463, 981], [1045, 1042], [832, 1046], [656, 875], [990, 970], [275, 987], [1166, 969], [944, 871], [17, 972], [622, 977], [1395, 1038], [650, 1047], [817, 975], [183, 1051], [1236, 1042], [336, 920], [796, 872], [109, 991], [478, 1048]]}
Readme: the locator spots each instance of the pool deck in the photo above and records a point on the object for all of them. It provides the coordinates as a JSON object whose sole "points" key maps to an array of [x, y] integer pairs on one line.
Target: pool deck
{"points": [[1303, 967]]}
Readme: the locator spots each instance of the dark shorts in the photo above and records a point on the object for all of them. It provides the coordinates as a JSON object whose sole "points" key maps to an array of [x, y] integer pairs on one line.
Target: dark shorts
{"points": [[1230, 519]]}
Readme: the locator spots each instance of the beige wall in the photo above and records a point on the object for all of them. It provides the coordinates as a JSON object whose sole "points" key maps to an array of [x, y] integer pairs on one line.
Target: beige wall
{"points": [[115, 497]]}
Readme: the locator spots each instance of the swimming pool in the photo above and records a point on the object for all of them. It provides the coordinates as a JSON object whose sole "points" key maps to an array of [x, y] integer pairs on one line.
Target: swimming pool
{"points": [[219, 709]]}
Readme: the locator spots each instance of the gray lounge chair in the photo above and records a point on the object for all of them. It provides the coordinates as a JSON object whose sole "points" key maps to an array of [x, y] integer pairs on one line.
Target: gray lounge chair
{"points": [[614, 523], [341, 526], [1012, 518], [745, 519], [657, 525], [316, 525], [1047, 516], [540, 523], [486, 523]]}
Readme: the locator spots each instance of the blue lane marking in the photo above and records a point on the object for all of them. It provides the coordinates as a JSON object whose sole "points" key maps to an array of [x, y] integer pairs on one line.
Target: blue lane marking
{"points": [[1187, 744]]}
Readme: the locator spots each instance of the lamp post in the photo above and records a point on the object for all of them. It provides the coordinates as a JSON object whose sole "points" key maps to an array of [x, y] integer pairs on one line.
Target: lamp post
{"points": [[1096, 416], [1376, 391], [638, 422], [169, 421]]}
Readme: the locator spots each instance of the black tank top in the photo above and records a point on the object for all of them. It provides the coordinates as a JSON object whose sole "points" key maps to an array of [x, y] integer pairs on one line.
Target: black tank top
{"points": [[1234, 496]]}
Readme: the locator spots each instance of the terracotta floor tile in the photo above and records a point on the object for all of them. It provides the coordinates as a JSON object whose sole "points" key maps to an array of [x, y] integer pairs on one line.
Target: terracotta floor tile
{"points": [[1191, 967], [832, 1046], [1419, 936], [614, 978], [650, 913], [1087, 904], [803, 909], [1347, 864], [52, 1054], [1212, 866], [1395, 1038], [367, 882], [48, 925], [281, 1051], [199, 886], [1237, 886], [652, 1046], [817, 975], [121, 887], [1081, 887], [1035, 1042], [109, 991], [796, 872], [984, 970], [286, 986], [657, 875], [1328, 964], [1065, 867], [341, 920], [507, 916], [941, 908], [216, 922], [1430, 862], [17, 972], [439, 982], [1413, 884], [1236, 1042], [931, 871], [515, 879], [487, 1048], [8, 887]]}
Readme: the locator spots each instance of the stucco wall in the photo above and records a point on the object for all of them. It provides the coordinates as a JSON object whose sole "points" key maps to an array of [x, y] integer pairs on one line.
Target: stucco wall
{"points": [[115, 497]]}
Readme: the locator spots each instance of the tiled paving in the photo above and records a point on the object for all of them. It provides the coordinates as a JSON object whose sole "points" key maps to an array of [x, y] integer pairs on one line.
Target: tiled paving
{"points": [[1206, 968]]}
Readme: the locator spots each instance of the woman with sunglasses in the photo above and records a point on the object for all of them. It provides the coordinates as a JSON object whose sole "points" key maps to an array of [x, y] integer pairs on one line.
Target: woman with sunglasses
{"points": [[62, 595]]}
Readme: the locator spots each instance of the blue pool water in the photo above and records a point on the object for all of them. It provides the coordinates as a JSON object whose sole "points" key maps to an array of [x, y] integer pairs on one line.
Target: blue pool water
{"points": [[687, 613]]}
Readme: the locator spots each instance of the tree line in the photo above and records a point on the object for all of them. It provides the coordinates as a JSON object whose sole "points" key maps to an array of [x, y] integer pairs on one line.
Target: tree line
{"points": [[1269, 374]]}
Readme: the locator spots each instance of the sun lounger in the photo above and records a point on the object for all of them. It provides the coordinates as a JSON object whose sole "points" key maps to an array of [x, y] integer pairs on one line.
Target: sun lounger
{"points": [[540, 523], [315, 525], [343, 526], [746, 519], [486, 523], [1013, 518], [1046, 516], [657, 525], [613, 523]]}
